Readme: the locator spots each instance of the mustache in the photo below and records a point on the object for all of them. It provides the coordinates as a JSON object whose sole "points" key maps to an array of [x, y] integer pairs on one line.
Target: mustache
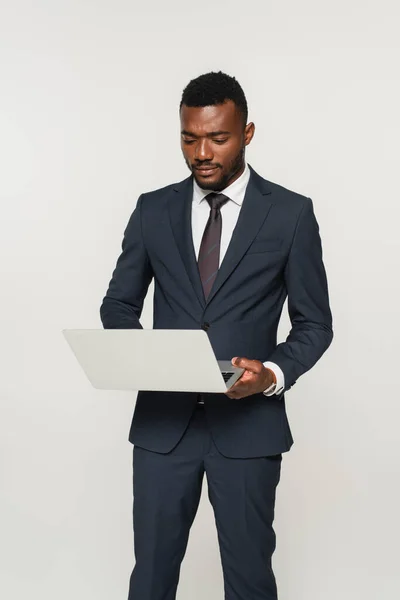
{"points": [[206, 166]]}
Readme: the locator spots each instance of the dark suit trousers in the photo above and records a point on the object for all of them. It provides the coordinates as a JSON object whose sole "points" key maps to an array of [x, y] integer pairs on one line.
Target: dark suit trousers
{"points": [[167, 489]]}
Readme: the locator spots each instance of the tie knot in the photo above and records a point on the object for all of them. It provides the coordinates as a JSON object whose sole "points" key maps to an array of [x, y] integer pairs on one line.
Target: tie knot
{"points": [[216, 200]]}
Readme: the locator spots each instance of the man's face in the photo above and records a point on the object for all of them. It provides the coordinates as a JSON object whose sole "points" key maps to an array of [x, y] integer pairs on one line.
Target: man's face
{"points": [[213, 141]]}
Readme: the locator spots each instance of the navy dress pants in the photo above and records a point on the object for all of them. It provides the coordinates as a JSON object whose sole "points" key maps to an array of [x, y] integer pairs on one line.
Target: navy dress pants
{"points": [[166, 491]]}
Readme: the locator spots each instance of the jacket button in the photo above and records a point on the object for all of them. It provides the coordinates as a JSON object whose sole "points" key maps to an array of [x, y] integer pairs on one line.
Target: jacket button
{"points": [[205, 326]]}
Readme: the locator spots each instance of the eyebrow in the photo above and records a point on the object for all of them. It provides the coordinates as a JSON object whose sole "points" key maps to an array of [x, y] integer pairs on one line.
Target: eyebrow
{"points": [[211, 134]]}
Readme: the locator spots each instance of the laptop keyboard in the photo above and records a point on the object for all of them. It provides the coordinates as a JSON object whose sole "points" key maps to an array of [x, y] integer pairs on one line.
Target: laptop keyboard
{"points": [[226, 375]]}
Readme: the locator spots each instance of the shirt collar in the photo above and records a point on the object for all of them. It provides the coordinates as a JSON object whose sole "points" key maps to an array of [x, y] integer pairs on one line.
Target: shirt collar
{"points": [[235, 191]]}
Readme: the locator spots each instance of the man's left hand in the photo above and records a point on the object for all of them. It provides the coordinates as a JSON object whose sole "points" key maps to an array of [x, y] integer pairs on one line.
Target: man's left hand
{"points": [[255, 379]]}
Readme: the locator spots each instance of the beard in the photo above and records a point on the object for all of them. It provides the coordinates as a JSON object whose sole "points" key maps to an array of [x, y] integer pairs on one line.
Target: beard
{"points": [[217, 185]]}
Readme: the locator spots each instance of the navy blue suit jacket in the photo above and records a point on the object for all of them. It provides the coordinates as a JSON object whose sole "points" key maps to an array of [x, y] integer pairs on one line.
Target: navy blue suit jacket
{"points": [[275, 252]]}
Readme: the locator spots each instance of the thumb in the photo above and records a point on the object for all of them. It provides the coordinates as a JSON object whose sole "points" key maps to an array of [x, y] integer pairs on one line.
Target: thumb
{"points": [[245, 363]]}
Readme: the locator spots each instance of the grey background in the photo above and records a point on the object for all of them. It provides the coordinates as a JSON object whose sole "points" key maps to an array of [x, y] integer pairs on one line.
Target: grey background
{"points": [[88, 121]]}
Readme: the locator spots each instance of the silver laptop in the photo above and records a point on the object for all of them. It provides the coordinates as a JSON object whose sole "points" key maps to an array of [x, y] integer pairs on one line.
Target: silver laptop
{"points": [[180, 360]]}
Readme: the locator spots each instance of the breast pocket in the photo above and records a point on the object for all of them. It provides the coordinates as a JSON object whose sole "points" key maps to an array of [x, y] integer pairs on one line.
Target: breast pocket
{"points": [[265, 245]]}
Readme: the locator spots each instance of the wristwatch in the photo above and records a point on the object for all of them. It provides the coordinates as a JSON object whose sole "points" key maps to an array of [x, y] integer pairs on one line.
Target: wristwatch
{"points": [[270, 389]]}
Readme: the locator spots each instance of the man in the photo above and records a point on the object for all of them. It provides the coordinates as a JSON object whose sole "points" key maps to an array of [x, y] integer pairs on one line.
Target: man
{"points": [[225, 248]]}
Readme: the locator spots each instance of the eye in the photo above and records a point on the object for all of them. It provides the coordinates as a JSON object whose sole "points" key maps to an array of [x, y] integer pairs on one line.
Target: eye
{"points": [[188, 141], [220, 141]]}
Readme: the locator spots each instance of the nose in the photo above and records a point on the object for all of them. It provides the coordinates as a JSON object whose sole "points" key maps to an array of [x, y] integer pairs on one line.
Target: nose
{"points": [[203, 150]]}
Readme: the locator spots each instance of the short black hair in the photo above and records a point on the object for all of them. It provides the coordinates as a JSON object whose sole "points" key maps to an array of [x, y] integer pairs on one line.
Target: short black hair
{"points": [[214, 88]]}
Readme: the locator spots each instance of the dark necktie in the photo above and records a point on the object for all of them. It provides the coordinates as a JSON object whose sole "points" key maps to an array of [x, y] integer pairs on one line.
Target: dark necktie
{"points": [[208, 260]]}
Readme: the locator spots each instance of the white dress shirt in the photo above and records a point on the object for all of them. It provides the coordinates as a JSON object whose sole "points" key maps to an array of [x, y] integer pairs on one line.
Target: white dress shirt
{"points": [[229, 213]]}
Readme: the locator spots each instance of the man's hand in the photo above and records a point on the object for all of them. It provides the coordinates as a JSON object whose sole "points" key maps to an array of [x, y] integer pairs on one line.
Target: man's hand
{"points": [[256, 378]]}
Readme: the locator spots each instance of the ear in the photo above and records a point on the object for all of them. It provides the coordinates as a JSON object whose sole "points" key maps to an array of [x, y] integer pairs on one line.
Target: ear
{"points": [[249, 133]]}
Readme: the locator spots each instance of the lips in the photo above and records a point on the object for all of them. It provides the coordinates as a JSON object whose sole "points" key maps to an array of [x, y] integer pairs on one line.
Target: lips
{"points": [[206, 170]]}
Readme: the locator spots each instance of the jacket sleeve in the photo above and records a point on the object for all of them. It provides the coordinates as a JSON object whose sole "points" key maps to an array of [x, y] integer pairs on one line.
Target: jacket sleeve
{"points": [[122, 306], [308, 301]]}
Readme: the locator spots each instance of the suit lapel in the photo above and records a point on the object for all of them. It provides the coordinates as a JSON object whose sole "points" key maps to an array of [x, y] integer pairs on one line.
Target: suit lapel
{"points": [[255, 208], [180, 213]]}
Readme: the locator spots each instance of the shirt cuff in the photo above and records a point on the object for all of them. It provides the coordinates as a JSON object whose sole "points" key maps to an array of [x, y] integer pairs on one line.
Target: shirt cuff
{"points": [[280, 378]]}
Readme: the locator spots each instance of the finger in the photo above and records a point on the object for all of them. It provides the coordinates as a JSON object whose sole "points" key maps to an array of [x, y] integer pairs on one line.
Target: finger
{"points": [[239, 383], [232, 392], [234, 396], [246, 363], [237, 390]]}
